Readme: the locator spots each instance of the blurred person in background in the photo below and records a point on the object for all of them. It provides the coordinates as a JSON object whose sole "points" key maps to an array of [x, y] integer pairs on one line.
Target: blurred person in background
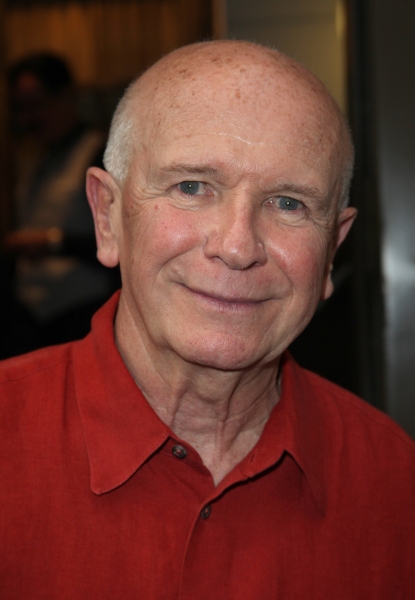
{"points": [[57, 283]]}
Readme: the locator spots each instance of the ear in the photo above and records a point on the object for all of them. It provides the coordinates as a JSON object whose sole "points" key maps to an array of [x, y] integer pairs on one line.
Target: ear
{"points": [[342, 228], [104, 197]]}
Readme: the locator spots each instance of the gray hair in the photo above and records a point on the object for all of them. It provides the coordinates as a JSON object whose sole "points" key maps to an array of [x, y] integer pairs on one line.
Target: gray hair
{"points": [[347, 171], [122, 136]]}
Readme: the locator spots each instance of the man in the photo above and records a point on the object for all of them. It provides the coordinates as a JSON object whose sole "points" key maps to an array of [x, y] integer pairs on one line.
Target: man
{"points": [[178, 451]]}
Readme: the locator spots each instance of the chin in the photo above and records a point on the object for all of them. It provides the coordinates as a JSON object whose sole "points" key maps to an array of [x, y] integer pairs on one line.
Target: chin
{"points": [[228, 355]]}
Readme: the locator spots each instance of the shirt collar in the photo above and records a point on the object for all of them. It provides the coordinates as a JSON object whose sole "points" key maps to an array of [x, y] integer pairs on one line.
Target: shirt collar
{"points": [[306, 429], [122, 431], [297, 427]]}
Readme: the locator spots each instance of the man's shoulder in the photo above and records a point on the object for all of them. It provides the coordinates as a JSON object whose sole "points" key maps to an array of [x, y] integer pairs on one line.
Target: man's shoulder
{"points": [[41, 366], [363, 457], [365, 426]]}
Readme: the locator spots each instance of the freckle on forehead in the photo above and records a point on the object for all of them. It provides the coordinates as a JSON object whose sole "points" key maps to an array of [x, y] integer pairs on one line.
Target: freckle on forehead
{"points": [[207, 80]]}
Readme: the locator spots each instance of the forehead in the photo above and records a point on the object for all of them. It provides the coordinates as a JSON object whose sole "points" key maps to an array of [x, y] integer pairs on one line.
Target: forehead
{"points": [[213, 102]]}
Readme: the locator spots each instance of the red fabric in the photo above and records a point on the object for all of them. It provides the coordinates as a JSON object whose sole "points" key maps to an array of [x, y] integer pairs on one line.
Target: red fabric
{"points": [[93, 503]]}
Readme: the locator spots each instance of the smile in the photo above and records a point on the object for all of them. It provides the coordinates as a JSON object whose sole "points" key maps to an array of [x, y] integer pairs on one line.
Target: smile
{"points": [[225, 303]]}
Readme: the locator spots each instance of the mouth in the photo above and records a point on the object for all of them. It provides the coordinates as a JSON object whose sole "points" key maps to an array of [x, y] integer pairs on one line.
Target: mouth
{"points": [[225, 303]]}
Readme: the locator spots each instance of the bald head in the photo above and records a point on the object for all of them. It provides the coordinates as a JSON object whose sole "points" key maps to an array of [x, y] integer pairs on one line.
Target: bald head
{"points": [[232, 81]]}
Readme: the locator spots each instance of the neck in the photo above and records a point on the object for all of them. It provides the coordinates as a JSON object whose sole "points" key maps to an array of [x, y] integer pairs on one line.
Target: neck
{"points": [[221, 414]]}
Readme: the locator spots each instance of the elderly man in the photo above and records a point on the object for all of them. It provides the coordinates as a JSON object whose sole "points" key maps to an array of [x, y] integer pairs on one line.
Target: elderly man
{"points": [[178, 452]]}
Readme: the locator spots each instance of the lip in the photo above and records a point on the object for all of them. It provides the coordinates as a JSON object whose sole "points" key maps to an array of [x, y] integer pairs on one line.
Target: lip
{"points": [[225, 302]]}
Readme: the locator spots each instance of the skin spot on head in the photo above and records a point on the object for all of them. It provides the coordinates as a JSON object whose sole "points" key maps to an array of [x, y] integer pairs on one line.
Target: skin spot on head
{"points": [[237, 94]]}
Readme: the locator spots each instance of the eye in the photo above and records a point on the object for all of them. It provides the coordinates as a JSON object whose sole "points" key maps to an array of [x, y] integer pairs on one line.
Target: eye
{"points": [[287, 203], [192, 188]]}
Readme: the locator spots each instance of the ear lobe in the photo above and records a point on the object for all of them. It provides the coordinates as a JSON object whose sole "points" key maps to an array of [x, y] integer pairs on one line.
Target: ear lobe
{"points": [[104, 198], [344, 223], [327, 288]]}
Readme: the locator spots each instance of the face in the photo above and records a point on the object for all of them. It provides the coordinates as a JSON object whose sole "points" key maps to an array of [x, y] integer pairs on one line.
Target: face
{"points": [[226, 231]]}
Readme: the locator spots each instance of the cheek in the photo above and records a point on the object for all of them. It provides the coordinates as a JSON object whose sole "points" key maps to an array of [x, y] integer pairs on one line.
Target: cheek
{"points": [[158, 234], [301, 253]]}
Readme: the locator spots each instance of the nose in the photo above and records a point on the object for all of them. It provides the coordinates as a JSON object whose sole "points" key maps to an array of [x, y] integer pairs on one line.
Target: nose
{"points": [[235, 236]]}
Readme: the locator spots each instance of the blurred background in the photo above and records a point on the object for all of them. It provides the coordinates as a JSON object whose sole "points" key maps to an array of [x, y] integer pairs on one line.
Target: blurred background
{"points": [[363, 337]]}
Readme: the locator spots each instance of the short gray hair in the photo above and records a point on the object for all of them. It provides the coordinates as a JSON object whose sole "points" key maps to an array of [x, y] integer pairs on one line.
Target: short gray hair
{"points": [[122, 136], [346, 172]]}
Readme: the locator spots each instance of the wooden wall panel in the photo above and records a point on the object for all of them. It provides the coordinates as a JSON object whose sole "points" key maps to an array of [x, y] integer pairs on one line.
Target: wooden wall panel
{"points": [[107, 43]]}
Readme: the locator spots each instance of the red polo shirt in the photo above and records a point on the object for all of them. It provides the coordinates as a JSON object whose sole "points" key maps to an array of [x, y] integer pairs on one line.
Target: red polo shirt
{"points": [[99, 499]]}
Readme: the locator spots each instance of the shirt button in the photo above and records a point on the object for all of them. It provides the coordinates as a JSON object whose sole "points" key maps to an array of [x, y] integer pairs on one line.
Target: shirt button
{"points": [[205, 512], [179, 451]]}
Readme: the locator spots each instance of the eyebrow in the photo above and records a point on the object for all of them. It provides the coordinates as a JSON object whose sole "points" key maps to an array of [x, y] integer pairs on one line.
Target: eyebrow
{"points": [[185, 169], [302, 190]]}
